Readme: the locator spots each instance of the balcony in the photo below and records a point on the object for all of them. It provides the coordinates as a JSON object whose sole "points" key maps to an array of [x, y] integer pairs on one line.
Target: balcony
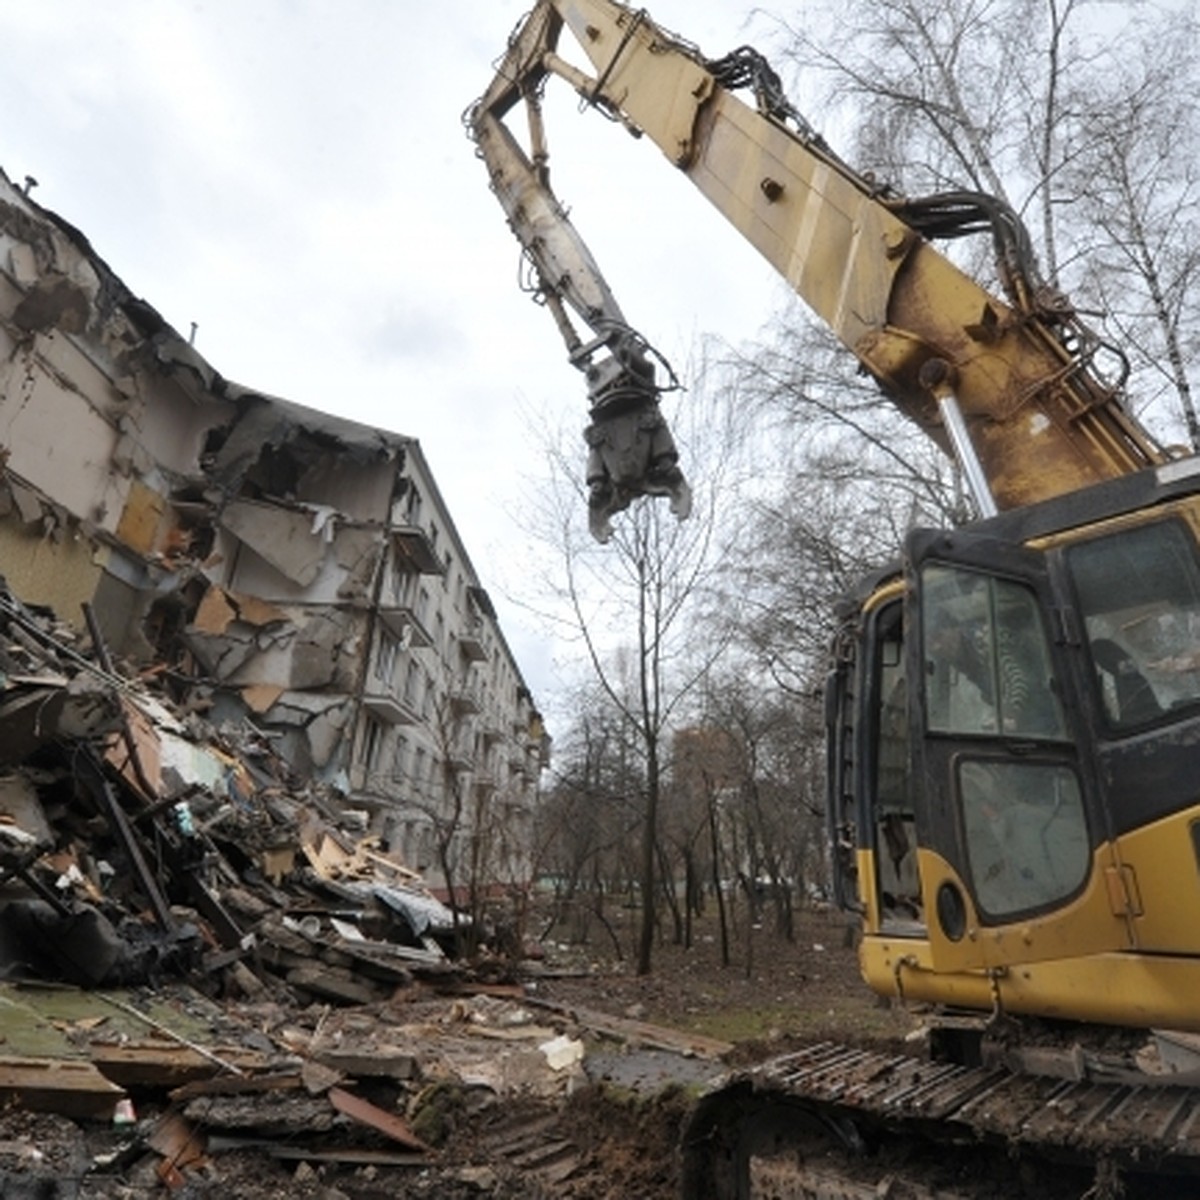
{"points": [[459, 758], [403, 625], [388, 707], [416, 551], [466, 701], [482, 601], [470, 643]]}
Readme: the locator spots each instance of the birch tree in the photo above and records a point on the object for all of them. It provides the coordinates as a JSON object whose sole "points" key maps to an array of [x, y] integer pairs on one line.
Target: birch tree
{"points": [[1080, 114]]}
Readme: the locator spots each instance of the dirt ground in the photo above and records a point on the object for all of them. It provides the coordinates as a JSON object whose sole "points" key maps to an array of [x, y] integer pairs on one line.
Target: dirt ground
{"points": [[614, 1139], [773, 991]]}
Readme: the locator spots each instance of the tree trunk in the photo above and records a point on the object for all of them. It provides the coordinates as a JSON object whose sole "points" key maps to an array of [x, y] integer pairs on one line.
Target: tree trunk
{"points": [[649, 840], [722, 918], [666, 879]]}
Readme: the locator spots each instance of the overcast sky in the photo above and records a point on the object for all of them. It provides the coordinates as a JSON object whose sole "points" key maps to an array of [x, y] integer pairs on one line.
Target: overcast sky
{"points": [[294, 178]]}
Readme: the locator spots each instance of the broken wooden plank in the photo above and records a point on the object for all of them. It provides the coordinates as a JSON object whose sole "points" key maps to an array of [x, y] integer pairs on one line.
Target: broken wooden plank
{"points": [[454, 986], [179, 1141], [642, 1033], [225, 1085], [318, 1077], [68, 1087], [365, 1113], [155, 1064], [349, 1156], [334, 984], [178, 1038], [355, 1156], [369, 1062]]}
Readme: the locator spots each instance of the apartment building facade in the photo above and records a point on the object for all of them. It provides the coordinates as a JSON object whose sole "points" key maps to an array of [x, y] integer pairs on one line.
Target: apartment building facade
{"points": [[278, 567]]}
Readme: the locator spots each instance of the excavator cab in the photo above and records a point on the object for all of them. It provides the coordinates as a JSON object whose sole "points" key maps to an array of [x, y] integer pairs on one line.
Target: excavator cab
{"points": [[993, 713]]}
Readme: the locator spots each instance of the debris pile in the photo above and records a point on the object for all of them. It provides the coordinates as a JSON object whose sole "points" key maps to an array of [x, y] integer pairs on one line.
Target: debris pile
{"points": [[182, 1086], [219, 970], [138, 843], [140, 848]]}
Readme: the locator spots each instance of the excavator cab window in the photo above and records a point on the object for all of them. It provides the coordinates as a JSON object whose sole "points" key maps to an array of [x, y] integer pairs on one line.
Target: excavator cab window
{"points": [[987, 658], [1026, 837], [1139, 593], [895, 839], [993, 703]]}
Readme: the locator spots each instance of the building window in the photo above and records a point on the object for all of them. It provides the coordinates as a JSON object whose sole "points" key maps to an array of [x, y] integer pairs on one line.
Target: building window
{"points": [[400, 758], [412, 685], [385, 660], [372, 743], [404, 586]]}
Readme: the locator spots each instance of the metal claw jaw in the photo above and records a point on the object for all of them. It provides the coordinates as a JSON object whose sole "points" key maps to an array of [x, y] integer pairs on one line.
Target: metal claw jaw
{"points": [[631, 453]]}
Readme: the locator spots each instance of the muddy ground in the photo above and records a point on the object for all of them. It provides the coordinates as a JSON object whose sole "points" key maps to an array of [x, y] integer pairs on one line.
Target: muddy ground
{"points": [[614, 1134]]}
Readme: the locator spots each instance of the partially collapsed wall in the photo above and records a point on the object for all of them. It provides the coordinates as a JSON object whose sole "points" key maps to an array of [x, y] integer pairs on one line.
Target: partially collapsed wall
{"points": [[272, 563]]}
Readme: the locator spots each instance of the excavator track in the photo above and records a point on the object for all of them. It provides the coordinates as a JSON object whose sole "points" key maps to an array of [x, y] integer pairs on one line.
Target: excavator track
{"points": [[835, 1122]]}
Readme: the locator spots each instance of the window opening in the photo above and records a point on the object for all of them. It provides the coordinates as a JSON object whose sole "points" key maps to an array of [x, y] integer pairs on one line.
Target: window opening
{"points": [[372, 743], [987, 658], [385, 662], [400, 758], [1139, 594]]}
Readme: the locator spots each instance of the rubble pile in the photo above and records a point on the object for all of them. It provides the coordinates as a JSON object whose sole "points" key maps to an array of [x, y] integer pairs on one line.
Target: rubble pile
{"points": [[150, 866], [213, 978], [139, 843]]}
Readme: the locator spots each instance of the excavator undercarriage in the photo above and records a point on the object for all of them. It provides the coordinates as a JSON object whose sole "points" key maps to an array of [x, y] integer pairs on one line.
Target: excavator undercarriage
{"points": [[836, 1122]]}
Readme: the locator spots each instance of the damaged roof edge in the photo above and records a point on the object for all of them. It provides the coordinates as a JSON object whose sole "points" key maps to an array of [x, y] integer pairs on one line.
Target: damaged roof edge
{"points": [[177, 354]]}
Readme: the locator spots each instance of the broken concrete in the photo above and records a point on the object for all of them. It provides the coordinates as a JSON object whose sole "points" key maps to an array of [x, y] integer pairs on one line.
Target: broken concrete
{"points": [[277, 566]]}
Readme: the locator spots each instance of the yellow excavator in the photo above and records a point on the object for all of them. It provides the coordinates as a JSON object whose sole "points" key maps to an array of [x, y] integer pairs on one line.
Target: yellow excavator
{"points": [[1013, 711]]}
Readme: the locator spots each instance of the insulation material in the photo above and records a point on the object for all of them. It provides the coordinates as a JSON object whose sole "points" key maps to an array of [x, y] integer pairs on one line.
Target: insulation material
{"points": [[141, 518]]}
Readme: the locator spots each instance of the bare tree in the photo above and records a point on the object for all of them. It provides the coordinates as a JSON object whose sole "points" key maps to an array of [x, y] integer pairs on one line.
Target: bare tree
{"points": [[627, 605], [1137, 186], [1080, 114], [842, 477], [588, 819]]}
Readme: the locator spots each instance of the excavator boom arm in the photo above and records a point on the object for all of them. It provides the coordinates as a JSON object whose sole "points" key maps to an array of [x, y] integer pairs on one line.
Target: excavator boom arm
{"points": [[631, 450], [1012, 386]]}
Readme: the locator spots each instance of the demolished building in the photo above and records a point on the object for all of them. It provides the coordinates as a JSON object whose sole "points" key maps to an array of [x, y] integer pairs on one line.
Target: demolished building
{"points": [[271, 565]]}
